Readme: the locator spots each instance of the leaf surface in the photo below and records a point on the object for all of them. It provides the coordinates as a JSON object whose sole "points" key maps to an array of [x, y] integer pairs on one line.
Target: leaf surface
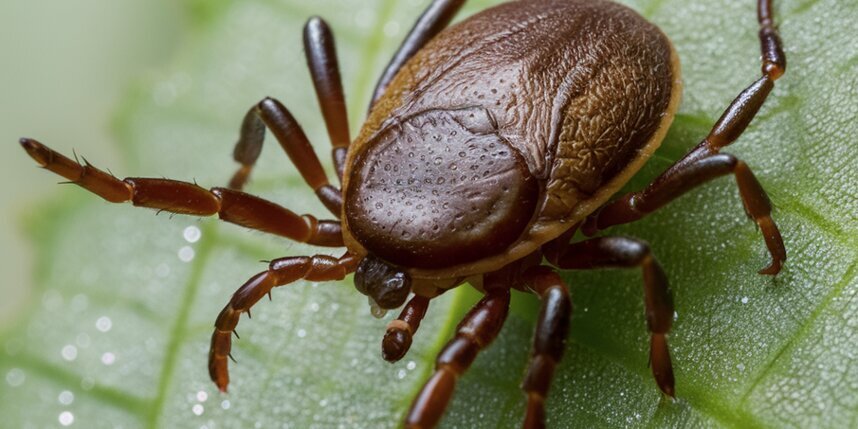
{"points": [[125, 300]]}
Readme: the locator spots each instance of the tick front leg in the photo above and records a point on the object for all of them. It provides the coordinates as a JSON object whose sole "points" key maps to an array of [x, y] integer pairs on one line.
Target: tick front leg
{"points": [[271, 113], [400, 331], [280, 272], [549, 341], [476, 331], [325, 70], [434, 19], [622, 252], [187, 198]]}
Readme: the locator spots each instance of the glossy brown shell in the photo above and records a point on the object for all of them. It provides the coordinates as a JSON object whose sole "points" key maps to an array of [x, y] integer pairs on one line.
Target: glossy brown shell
{"points": [[583, 91]]}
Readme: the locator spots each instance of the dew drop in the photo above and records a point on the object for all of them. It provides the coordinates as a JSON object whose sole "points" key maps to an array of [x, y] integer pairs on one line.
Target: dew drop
{"points": [[108, 358], [162, 270], [744, 300], [192, 234], [400, 374], [198, 409], [69, 352], [186, 254], [202, 396], [87, 383], [225, 404], [391, 29], [66, 418], [15, 377], [411, 365], [83, 341], [103, 324], [302, 333], [66, 397]]}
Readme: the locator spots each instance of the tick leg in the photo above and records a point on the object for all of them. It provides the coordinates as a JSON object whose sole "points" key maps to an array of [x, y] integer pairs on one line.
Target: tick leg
{"points": [[549, 341], [434, 19], [280, 272], [321, 55], [397, 339], [189, 199], [475, 332], [704, 163], [271, 113], [622, 252]]}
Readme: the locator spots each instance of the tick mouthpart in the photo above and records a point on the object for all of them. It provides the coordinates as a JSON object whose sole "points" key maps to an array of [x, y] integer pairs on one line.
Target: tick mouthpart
{"points": [[39, 152]]}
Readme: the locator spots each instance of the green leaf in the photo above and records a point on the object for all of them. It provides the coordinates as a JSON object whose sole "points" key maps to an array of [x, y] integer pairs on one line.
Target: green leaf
{"points": [[125, 301]]}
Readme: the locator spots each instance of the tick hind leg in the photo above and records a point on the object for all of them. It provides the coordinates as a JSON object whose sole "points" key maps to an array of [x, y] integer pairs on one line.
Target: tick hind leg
{"points": [[621, 252], [704, 162], [549, 341], [280, 272], [187, 198], [475, 332]]}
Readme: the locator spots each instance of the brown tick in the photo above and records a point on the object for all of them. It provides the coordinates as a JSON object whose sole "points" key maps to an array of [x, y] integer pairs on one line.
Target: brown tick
{"points": [[488, 144]]}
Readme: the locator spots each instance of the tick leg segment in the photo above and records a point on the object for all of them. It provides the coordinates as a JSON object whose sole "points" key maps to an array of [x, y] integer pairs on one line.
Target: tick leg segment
{"points": [[189, 199], [549, 341], [400, 332], [271, 113], [434, 19], [622, 252], [280, 272], [321, 55], [475, 332], [704, 163]]}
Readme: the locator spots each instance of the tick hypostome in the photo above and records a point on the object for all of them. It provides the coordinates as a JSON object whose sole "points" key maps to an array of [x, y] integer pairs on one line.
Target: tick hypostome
{"points": [[487, 145]]}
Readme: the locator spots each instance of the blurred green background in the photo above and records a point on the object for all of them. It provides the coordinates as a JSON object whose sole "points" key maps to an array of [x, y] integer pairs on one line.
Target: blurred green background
{"points": [[66, 65]]}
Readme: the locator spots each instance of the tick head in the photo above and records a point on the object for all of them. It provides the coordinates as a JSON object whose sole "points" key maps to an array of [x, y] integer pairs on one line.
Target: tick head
{"points": [[384, 283]]}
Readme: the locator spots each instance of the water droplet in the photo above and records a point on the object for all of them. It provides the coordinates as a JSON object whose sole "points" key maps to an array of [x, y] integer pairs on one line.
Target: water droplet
{"points": [[744, 300], [314, 307], [225, 404], [87, 383], [103, 324], [302, 333], [66, 397], [323, 402], [66, 418], [108, 358], [83, 340], [400, 374], [15, 377], [162, 270], [741, 367], [202, 396], [69, 352], [186, 254], [79, 303], [198, 409], [411, 365]]}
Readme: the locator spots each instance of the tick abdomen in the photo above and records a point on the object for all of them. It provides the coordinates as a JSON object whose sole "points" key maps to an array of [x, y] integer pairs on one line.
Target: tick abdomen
{"points": [[440, 187], [579, 90]]}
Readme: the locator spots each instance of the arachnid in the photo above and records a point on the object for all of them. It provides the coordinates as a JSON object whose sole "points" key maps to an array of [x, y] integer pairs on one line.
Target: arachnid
{"points": [[488, 145]]}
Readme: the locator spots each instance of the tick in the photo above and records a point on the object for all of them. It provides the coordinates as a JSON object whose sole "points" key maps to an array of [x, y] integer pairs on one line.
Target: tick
{"points": [[488, 145]]}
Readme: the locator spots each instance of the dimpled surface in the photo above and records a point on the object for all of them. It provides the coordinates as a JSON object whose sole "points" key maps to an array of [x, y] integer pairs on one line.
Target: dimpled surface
{"points": [[578, 89], [440, 187]]}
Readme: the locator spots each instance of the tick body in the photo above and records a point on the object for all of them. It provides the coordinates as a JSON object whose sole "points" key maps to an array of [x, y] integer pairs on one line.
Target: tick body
{"points": [[488, 145]]}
